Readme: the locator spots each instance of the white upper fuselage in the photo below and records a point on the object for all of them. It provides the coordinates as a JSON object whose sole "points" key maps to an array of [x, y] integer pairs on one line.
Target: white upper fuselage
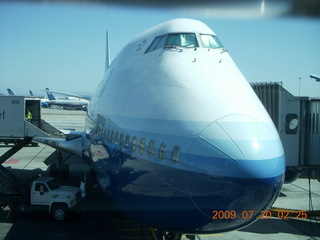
{"points": [[175, 93]]}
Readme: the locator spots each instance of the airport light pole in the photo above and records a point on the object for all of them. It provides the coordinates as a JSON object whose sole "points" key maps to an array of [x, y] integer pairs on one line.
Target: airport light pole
{"points": [[299, 86]]}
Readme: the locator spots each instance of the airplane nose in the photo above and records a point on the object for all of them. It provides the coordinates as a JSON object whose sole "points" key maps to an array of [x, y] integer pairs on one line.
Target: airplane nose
{"points": [[238, 165]]}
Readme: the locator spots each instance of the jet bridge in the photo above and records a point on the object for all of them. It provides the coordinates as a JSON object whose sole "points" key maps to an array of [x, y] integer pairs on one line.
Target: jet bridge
{"points": [[20, 121], [19, 117], [297, 120]]}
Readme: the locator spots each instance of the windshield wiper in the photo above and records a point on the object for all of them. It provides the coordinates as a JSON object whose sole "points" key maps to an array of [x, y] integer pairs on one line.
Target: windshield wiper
{"points": [[174, 48], [223, 50]]}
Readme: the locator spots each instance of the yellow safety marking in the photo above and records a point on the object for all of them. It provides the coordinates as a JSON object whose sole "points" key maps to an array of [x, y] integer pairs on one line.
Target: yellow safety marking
{"points": [[136, 237], [208, 235], [295, 213], [126, 221], [130, 229], [153, 233], [8, 215]]}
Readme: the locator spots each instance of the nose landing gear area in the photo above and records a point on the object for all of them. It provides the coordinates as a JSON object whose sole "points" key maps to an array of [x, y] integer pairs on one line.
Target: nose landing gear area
{"points": [[99, 220]]}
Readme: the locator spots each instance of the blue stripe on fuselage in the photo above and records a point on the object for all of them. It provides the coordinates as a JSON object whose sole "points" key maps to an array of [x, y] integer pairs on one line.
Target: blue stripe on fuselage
{"points": [[266, 168], [212, 165]]}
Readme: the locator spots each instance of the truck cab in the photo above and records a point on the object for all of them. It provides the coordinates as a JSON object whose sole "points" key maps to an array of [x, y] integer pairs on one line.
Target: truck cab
{"points": [[58, 199]]}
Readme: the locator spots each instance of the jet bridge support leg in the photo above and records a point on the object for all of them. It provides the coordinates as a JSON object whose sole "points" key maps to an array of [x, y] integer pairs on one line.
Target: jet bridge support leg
{"points": [[60, 167], [8, 177], [15, 149]]}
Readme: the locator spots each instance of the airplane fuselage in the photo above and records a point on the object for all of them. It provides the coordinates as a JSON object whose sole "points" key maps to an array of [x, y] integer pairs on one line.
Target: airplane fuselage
{"points": [[177, 133]]}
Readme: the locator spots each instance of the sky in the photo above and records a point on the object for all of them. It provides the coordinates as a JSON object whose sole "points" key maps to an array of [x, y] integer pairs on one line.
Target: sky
{"points": [[62, 46]]}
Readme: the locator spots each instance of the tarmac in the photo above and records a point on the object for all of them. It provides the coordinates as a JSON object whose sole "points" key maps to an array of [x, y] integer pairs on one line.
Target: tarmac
{"points": [[98, 219]]}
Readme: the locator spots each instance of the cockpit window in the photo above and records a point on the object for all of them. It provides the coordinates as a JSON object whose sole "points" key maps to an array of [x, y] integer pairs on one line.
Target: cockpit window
{"points": [[210, 41], [158, 42], [188, 40]]}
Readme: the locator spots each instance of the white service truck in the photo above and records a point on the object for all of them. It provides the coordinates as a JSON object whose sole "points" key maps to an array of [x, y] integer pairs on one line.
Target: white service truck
{"points": [[46, 194]]}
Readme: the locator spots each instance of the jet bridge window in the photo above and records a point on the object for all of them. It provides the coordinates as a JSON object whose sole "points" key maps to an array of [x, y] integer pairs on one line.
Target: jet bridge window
{"points": [[188, 40], [210, 41], [292, 123]]}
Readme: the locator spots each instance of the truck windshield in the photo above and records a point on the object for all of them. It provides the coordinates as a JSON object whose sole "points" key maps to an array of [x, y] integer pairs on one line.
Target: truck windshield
{"points": [[53, 184], [210, 41]]}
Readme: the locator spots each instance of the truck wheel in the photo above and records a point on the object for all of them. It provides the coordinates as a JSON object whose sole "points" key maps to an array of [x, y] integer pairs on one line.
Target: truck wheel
{"points": [[59, 213]]}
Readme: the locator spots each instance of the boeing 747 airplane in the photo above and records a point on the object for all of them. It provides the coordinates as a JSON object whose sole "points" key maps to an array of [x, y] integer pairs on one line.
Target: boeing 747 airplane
{"points": [[177, 137]]}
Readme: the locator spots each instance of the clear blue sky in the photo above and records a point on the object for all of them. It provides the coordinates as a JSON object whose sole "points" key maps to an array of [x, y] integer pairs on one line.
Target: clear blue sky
{"points": [[63, 46]]}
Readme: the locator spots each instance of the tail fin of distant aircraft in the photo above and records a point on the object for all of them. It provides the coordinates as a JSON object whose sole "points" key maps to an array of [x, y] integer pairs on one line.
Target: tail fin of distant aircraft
{"points": [[50, 95], [31, 93], [11, 93], [107, 52]]}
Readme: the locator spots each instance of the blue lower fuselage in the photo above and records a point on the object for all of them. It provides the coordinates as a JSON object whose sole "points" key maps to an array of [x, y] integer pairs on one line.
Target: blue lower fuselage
{"points": [[178, 200], [186, 196]]}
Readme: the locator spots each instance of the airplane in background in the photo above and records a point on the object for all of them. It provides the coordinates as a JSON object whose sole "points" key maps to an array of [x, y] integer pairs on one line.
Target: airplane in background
{"points": [[42, 100], [315, 77], [66, 103], [74, 95], [10, 92], [177, 137], [31, 93]]}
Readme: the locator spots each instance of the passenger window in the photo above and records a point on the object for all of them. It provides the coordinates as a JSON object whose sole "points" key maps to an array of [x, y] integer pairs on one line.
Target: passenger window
{"points": [[176, 154], [162, 151], [121, 140], [116, 140], [127, 141], [112, 136], [108, 135], [210, 41], [142, 145], [151, 148], [104, 133], [134, 144], [188, 40]]}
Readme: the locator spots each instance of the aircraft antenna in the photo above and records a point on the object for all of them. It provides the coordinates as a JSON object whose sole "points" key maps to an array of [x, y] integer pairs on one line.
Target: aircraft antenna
{"points": [[107, 64]]}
